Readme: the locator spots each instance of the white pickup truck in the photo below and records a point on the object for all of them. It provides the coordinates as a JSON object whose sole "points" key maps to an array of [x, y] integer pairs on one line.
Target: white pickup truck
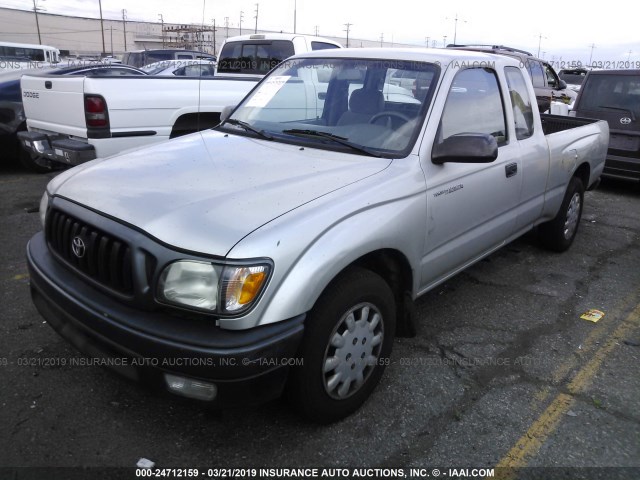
{"points": [[73, 120], [284, 248]]}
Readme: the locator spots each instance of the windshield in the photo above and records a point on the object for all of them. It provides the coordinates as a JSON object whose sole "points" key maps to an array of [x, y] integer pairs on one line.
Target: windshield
{"points": [[342, 104]]}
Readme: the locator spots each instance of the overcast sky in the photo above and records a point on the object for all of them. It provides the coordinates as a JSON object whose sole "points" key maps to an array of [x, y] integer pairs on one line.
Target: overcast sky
{"points": [[563, 30]]}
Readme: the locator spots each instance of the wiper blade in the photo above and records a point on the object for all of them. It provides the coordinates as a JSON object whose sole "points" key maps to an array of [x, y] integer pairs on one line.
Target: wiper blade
{"points": [[633, 117], [335, 138], [249, 127]]}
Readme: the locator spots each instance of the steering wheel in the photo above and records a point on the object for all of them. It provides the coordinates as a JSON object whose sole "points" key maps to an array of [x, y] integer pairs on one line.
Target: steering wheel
{"points": [[390, 115]]}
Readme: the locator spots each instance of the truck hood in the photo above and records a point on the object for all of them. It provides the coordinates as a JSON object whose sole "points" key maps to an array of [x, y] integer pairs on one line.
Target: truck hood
{"points": [[204, 192]]}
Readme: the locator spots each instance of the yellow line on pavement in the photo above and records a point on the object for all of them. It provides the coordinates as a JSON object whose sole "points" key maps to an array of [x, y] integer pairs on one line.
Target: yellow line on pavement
{"points": [[529, 444]]}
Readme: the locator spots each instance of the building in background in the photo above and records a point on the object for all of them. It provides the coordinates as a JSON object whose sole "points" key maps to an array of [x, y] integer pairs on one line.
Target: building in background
{"points": [[83, 36]]}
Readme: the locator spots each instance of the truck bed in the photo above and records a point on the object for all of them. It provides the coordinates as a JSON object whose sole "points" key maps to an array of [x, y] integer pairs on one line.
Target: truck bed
{"points": [[558, 123]]}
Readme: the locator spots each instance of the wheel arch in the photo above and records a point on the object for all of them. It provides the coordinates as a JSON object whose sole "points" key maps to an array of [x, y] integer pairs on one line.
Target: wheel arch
{"points": [[583, 172], [395, 270]]}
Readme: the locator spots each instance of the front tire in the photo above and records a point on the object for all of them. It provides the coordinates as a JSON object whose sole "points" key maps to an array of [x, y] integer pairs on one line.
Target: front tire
{"points": [[347, 342], [558, 234]]}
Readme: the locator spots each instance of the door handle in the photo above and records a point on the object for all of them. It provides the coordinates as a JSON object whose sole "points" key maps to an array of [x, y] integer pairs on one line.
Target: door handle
{"points": [[511, 169]]}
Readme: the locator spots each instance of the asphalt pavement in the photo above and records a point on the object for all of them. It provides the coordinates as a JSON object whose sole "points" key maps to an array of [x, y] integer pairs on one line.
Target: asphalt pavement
{"points": [[503, 374]]}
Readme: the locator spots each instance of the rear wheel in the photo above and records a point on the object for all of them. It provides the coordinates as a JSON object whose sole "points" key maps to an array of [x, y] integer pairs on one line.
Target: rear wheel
{"points": [[558, 234], [347, 343]]}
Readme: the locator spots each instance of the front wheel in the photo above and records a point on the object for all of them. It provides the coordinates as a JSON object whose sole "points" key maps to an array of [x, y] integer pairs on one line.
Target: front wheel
{"points": [[347, 343], [558, 234]]}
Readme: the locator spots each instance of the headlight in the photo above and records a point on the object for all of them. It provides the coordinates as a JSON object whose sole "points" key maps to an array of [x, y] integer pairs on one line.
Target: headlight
{"points": [[222, 289], [44, 204]]}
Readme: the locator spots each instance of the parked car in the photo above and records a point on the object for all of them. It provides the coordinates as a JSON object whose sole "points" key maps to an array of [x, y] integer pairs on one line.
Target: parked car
{"points": [[614, 96], [12, 116], [573, 77], [546, 83], [284, 248], [134, 112], [182, 68], [139, 58]]}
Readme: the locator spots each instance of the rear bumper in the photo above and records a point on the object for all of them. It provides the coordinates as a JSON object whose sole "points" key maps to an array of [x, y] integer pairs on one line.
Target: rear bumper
{"points": [[245, 367], [622, 167], [62, 150]]}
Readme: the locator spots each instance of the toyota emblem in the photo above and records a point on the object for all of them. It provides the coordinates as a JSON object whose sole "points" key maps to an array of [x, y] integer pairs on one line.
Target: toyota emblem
{"points": [[625, 120], [78, 247]]}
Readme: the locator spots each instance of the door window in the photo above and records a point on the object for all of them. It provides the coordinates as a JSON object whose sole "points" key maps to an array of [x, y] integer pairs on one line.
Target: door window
{"points": [[474, 105]]}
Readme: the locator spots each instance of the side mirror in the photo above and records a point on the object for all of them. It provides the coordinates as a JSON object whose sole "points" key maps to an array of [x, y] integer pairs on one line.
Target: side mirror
{"points": [[466, 148], [226, 112], [562, 85]]}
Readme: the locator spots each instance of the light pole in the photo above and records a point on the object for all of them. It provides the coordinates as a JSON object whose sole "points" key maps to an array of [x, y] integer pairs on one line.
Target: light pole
{"points": [[241, 16], [35, 11], [257, 7], [295, 14], [214, 36], [124, 26], [593, 45], [161, 18], [104, 50], [455, 28], [348, 25], [540, 37]]}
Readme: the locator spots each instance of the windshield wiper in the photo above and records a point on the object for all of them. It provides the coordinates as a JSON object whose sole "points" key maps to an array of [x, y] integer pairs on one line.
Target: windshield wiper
{"points": [[249, 127], [335, 138], [633, 117]]}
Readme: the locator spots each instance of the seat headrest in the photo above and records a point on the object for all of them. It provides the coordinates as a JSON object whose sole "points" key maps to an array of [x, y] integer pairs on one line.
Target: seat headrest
{"points": [[366, 101]]}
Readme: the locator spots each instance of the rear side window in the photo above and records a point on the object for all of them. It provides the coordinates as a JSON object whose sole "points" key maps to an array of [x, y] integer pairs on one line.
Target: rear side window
{"points": [[253, 58], [474, 105], [520, 102], [322, 46]]}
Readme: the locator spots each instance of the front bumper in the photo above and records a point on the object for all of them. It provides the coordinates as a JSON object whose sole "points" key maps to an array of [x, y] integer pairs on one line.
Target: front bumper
{"points": [[246, 367], [62, 150]]}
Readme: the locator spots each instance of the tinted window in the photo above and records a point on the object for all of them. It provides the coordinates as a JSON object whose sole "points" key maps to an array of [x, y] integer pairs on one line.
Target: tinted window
{"points": [[257, 58], [322, 46], [474, 105], [520, 102], [108, 72]]}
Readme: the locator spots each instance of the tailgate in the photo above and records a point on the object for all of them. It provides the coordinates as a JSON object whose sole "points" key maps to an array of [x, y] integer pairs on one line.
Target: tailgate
{"points": [[54, 103]]}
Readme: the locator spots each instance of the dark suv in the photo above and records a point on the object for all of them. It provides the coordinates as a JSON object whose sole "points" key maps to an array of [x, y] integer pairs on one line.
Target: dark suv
{"points": [[614, 96], [546, 82]]}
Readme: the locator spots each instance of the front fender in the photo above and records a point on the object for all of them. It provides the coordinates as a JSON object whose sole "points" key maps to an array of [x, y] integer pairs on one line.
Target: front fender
{"points": [[397, 226]]}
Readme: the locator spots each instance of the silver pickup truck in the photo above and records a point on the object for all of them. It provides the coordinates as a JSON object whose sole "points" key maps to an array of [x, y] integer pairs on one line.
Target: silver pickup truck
{"points": [[282, 251]]}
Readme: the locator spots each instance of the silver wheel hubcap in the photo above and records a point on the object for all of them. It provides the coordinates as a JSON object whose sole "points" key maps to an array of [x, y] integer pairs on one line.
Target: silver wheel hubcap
{"points": [[573, 212], [353, 351]]}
